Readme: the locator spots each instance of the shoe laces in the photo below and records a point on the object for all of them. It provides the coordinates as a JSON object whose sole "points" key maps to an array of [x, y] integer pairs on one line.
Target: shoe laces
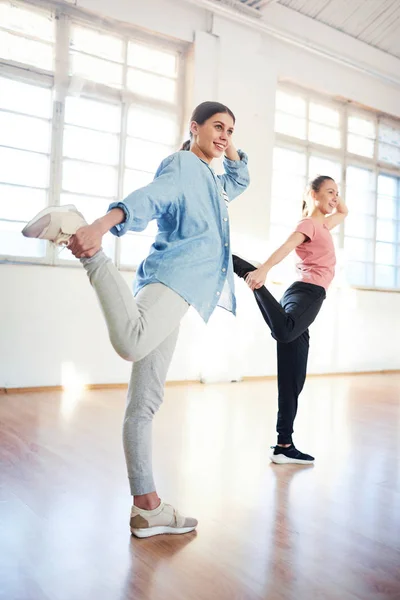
{"points": [[61, 239]]}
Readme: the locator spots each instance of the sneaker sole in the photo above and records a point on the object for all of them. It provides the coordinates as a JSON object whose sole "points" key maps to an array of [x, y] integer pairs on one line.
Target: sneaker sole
{"points": [[280, 459], [46, 211], [145, 533]]}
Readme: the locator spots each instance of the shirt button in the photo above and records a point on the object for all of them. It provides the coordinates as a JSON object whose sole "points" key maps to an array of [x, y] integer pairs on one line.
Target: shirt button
{"points": [[225, 219], [226, 245], [218, 293], [223, 270]]}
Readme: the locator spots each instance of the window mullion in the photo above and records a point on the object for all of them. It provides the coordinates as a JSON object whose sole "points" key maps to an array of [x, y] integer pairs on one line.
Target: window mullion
{"points": [[61, 82], [122, 147]]}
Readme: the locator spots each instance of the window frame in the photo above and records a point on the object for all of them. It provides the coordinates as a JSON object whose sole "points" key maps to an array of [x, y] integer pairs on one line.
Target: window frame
{"points": [[59, 82], [345, 158]]}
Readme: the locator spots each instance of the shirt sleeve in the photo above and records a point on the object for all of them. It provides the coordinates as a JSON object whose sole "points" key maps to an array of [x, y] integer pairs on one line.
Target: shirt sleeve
{"points": [[152, 201], [307, 227], [236, 178]]}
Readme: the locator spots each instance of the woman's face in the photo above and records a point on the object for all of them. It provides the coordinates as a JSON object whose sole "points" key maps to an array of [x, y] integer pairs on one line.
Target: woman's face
{"points": [[214, 136], [327, 198]]}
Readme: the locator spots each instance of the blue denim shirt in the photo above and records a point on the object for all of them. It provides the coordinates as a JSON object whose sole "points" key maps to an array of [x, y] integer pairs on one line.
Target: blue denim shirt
{"points": [[191, 253]]}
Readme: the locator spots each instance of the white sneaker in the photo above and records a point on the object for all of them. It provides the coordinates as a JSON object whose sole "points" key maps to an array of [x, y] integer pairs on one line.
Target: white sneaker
{"points": [[55, 223], [163, 519]]}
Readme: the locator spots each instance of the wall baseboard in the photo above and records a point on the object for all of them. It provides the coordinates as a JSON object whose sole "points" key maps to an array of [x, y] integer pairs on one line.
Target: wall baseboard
{"points": [[124, 386]]}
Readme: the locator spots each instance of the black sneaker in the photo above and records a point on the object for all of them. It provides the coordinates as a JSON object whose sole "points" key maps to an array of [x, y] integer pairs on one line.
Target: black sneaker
{"points": [[241, 267], [282, 456]]}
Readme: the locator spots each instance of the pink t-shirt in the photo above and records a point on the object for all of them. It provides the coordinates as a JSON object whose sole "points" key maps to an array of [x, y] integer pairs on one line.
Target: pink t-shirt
{"points": [[317, 255]]}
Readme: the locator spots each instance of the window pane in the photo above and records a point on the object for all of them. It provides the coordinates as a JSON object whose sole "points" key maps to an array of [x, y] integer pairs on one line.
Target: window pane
{"points": [[96, 69], [362, 127], [97, 43], [134, 248], [323, 166], [289, 125], [93, 114], [91, 145], [29, 22], [24, 168], [360, 145], [324, 114], [387, 186], [282, 207], [289, 161], [359, 225], [389, 154], [288, 187], [90, 179], [358, 249], [152, 86], [151, 125], [324, 135], [133, 180], [279, 233], [385, 254], [385, 276], [386, 231], [25, 98], [151, 59], [359, 273], [24, 50], [23, 132], [386, 208], [291, 104], [144, 156], [360, 194], [360, 202], [13, 243], [363, 179], [20, 203], [389, 134]]}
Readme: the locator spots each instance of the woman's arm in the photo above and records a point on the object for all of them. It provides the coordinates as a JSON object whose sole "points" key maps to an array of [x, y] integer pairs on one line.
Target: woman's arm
{"points": [[338, 217], [134, 213], [236, 178], [87, 240], [256, 279]]}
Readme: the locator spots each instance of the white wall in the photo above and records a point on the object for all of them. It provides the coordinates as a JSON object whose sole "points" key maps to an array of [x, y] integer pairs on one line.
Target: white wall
{"points": [[52, 328]]}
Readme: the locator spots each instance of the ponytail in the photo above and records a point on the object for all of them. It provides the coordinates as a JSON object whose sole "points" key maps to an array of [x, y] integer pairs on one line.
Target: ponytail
{"points": [[186, 145], [304, 210]]}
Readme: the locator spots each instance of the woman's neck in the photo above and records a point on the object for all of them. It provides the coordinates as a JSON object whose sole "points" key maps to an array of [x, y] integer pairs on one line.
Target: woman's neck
{"points": [[200, 154], [318, 215]]}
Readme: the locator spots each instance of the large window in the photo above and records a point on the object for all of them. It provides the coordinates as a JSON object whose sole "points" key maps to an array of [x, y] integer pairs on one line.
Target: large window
{"points": [[361, 151], [86, 116]]}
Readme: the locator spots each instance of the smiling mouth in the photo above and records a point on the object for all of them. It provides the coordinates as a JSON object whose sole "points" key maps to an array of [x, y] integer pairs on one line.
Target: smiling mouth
{"points": [[219, 146]]}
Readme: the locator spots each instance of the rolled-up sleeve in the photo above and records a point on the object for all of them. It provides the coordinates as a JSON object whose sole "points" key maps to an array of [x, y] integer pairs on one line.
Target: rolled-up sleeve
{"points": [[152, 201], [236, 178]]}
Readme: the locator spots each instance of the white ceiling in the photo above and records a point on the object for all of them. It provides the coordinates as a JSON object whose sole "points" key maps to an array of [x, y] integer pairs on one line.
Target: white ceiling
{"points": [[375, 22]]}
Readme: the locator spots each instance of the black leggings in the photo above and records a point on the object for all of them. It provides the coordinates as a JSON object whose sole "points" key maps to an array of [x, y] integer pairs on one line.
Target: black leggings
{"points": [[289, 322]]}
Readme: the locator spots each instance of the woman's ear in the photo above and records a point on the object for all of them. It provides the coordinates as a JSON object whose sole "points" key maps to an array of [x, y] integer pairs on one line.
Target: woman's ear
{"points": [[194, 128]]}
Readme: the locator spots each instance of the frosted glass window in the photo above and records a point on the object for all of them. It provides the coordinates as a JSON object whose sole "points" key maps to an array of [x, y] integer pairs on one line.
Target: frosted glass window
{"points": [[289, 125], [152, 86], [152, 59]]}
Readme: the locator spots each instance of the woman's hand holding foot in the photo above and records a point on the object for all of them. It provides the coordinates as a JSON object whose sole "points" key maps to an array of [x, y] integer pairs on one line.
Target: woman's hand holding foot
{"points": [[87, 241], [256, 279]]}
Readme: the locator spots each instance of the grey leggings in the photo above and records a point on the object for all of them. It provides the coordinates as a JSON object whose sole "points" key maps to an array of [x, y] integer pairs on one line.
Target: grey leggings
{"points": [[143, 330]]}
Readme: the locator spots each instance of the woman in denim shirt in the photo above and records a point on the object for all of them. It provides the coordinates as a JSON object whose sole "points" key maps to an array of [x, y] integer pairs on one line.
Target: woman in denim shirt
{"points": [[188, 264]]}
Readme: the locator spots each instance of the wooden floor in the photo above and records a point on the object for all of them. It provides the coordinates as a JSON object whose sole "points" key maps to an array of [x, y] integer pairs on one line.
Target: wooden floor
{"points": [[266, 531]]}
